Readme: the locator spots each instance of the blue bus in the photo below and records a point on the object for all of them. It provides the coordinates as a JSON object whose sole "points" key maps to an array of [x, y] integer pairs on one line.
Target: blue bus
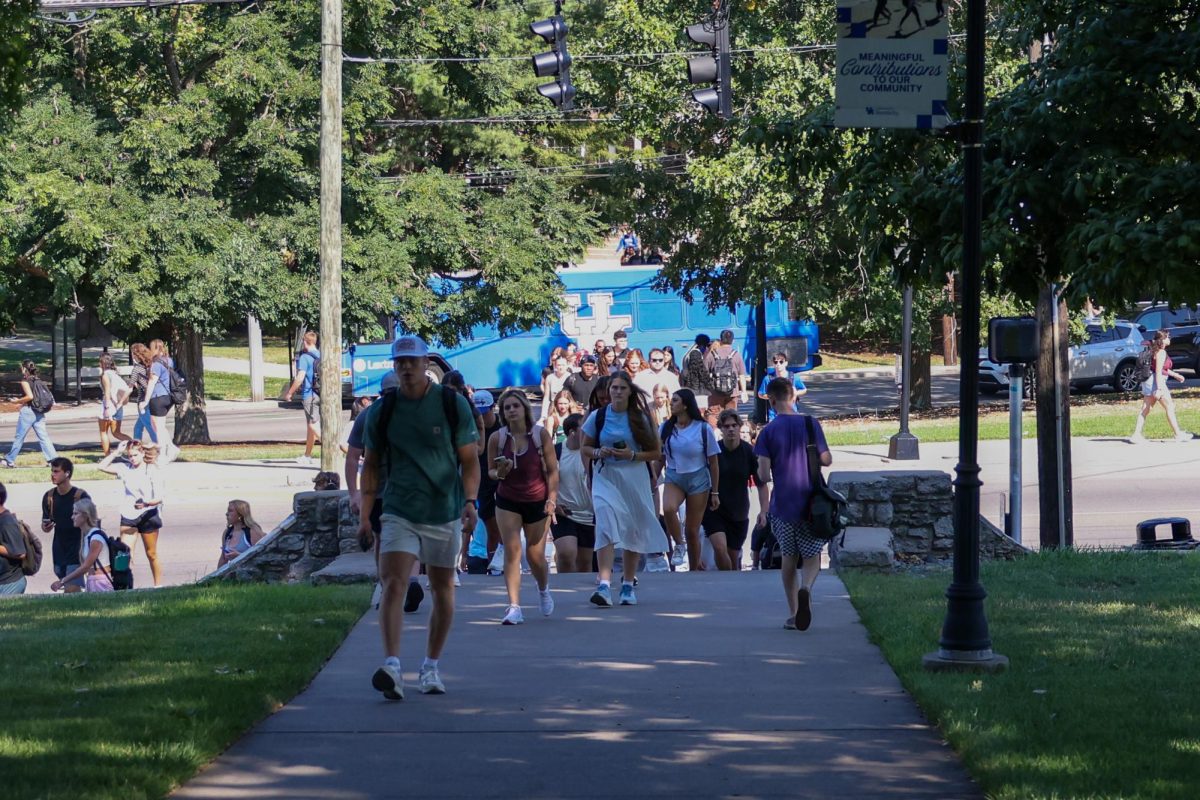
{"points": [[596, 303]]}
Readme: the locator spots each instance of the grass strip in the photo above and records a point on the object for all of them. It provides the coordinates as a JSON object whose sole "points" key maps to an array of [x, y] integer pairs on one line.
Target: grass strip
{"points": [[275, 350], [1100, 700], [231, 386], [32, 469], [127, 695]]}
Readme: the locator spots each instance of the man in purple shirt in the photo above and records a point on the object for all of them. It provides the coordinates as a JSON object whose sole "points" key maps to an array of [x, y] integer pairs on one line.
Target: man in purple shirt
{"points": [[783, 459]]}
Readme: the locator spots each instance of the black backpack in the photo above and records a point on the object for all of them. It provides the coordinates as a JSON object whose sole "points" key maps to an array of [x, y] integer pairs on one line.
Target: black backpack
{"points": [[1144, 369], [316, 374], [178, 388], [119, 559], [43, 398], [827, 509], [724, 372]]}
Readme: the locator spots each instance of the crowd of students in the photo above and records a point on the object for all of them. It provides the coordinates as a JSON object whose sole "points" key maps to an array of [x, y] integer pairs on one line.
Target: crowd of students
{"points": [[617, 481]]}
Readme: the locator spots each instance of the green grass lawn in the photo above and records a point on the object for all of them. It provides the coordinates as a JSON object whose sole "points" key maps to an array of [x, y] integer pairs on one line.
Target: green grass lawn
{"points": [[127, 695], [229, 386], [839, 361], [31, 469], [1110, 416], [10, 360], [1100, 700], [275, 349]]}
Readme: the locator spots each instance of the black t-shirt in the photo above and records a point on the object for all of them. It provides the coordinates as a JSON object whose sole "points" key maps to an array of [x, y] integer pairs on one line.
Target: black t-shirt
{"points": [[487, 486], [581, 388], [737, 467], [67, 537]]}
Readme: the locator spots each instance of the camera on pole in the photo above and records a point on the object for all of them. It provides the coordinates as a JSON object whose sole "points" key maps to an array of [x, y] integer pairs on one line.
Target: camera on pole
{"points": [[557, 62], [716, 68]]}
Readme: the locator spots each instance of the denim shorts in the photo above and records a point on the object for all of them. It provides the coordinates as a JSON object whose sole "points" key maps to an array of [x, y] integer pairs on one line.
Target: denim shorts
{"points": [[698, 482], [63, 570]]}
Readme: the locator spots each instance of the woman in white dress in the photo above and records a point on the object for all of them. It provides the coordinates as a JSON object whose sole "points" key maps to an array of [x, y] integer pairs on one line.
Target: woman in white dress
{"points": [[620, 441]]}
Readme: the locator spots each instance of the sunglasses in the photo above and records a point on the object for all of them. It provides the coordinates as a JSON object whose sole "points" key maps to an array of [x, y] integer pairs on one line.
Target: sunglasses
{"points": [[656, 361], [780, 362]]}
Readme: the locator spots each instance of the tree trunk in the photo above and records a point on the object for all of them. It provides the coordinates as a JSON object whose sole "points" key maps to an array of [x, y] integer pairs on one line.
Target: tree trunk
{"points": [[1055, 523], [191, 419], [920, 392]]}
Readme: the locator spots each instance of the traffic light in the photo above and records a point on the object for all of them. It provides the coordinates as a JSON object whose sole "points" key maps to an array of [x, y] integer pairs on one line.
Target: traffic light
{"points": [[714, 69], [557, 62]]}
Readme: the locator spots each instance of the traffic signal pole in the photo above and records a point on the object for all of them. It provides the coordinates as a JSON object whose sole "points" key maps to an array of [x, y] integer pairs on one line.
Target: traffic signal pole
{"points": [[331, 231]]}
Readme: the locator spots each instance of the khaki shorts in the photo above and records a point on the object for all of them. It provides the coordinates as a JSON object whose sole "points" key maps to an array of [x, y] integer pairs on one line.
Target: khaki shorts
{"points": [[312, 409], [435, 545]]}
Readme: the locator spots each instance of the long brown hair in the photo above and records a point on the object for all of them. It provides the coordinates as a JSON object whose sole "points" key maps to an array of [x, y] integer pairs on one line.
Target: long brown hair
{"points": [[141, 354], [525, 404], [1159, 341], [639, 414]]}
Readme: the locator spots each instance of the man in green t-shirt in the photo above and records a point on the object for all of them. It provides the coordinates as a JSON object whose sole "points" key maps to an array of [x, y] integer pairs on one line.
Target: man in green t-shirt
{"points": [[428, 463]]}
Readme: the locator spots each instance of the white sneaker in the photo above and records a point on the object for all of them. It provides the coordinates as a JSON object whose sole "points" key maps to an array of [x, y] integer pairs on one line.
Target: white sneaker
{"points": [[430, 682], [304, 461], [457, 579], [1183, 436], [679, 555], [377, 596], [1137, 438], [547, 602], [390, 681], [513, 616], [657, 563]]}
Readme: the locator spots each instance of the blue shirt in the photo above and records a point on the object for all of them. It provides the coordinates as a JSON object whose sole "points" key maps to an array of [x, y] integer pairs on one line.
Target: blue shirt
{"points": [[616, 429], [797, 382], [163, 387], [306, 362]]}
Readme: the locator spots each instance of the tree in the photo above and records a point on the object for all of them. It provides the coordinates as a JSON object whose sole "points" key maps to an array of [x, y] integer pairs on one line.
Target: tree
{"points": [[16, 21]]}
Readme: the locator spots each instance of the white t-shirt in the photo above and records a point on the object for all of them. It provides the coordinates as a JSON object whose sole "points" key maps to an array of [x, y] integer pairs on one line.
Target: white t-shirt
{"points": [[144, 483], [573, 493], [647, 379], [685, 448]]}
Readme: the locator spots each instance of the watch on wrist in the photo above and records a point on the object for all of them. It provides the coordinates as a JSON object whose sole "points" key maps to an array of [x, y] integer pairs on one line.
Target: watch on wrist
{"points": [[473, 501]]}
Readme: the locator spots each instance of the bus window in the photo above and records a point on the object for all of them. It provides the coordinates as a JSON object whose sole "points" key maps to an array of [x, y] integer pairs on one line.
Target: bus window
{"points": [[700, 319], [773, 309], [658, 312]]}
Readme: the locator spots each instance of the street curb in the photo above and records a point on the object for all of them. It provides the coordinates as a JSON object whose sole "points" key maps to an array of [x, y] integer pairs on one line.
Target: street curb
{"points": [[873, 372], [91, 409]]}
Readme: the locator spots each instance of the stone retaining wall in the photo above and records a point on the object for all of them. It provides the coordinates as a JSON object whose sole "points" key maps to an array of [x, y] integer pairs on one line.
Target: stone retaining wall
{"points": [[918, 508], [319, 529]]}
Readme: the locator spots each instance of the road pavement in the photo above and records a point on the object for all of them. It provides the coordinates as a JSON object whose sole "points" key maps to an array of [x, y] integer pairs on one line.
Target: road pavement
{"points": [[696, 692]]}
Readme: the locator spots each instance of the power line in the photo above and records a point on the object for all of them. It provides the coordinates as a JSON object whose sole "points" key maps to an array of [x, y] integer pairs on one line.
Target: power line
{"points": [[63, 6], [562, 168], [581, 57], [541, 120]]}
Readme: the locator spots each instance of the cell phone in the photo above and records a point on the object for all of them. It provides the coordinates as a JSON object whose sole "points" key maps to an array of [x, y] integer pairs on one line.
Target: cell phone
{"points": [[498, 460], [620, 445]]}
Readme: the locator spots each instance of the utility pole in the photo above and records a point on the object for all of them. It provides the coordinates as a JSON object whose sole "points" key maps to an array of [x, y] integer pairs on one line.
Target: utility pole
{"points": [[331, 230], [903, 446], [254, 334]]}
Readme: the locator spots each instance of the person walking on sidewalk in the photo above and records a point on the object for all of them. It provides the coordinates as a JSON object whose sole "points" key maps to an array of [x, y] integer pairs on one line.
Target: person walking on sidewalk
{"points": [[114, 394], [35, 400], [307, 363], [58, 504], [574, 523], [12, 550], [91, 562], [421, 442], [691, 476], [139, 379], [521, 459], [159, 404], [620, 441], [727, 525], [783, 460], [780, 370], [1154, 389], [728, 374], [145, 488]]}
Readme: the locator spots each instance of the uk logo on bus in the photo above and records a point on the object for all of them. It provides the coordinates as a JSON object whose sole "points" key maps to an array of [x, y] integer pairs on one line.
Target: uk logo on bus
{"points": [[600, 325]]}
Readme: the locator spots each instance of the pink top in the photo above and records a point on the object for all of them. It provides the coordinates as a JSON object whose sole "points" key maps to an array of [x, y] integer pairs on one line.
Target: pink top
{"points": [[526, 482]]}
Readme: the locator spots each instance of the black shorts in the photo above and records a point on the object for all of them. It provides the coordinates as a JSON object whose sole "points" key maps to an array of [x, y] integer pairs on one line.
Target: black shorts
{"points": [[476, 565], [148, 522], [487, 506], [734, 529], [530, 512], [585, 535], [159, 406], [377, 516]]}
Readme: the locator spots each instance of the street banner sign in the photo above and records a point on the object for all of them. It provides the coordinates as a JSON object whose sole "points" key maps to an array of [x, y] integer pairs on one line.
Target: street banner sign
{"points": [[891, 64]]}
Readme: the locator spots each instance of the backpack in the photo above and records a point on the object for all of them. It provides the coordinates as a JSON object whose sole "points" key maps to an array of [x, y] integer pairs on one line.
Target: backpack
{"points": [[43, 398], [724, 373], [827, 509], [315, 383], [388, 398], [769, 554], [601, 415], [1143, 370], [178, 385], [119, 558], [32, 561], [695, 376]]}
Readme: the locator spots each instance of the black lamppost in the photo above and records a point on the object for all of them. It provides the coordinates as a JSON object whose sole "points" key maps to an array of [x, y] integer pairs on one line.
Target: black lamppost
{"points": [[965, 642]]}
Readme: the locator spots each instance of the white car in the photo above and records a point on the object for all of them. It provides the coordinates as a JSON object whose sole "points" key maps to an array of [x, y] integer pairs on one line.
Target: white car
{"points": [[1108, 357]]}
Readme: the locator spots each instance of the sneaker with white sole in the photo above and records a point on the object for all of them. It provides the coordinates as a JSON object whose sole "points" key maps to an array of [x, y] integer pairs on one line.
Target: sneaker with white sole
{"points": [[457, 579], [304, 461], [390, 681], [679, 555], [377, 596], [628, 597], [430, 682], [513, 616], [657, 563], [602, 597], [546, 601], [1183, 436]]}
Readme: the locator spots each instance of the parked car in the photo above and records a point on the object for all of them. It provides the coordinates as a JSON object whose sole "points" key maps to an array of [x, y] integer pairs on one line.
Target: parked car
{"points": [[1109, 357], [1183, 323]]}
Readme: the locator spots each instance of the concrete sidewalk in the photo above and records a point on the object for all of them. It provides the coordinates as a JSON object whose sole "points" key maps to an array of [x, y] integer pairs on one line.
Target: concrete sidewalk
{"points": [[698, 692]]}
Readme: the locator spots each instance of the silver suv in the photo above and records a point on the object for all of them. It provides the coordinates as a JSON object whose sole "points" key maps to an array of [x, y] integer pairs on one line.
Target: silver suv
{"points": [[1108, 357]]}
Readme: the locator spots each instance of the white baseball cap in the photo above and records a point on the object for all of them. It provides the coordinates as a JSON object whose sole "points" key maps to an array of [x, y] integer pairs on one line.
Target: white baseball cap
{"points": [[390, 381], [483, 400], [409, 347]]}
